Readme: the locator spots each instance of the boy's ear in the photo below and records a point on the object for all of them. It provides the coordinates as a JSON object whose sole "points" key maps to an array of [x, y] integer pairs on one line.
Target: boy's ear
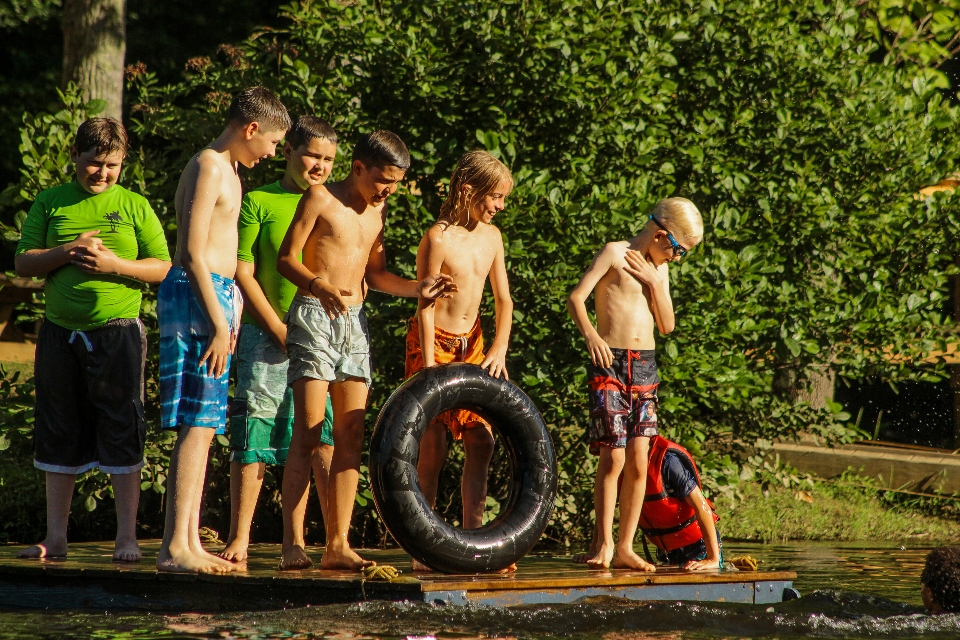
{"points": [[251, 130], [74, 155], [358, 167], [287, 150]]}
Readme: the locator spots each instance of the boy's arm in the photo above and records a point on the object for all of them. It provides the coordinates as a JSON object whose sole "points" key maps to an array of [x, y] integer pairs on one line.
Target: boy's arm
{"points": [[200, 200], [288, 257], [439, 285], [495, 360], [100, 259], [657, 280], [600, 353], [33, 258], [429, 260], [257, 305], [709, 530]]}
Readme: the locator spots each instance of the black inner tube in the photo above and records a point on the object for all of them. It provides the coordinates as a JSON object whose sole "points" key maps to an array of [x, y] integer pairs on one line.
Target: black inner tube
{"points": [[395, 449]]}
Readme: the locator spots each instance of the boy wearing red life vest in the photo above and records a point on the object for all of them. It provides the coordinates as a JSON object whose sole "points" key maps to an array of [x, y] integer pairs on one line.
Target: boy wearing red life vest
{"points": [[632, 286], [676, 516]]}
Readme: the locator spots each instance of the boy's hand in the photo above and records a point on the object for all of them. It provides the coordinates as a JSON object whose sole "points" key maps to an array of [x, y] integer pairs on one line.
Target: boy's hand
{"points": [[219, 348], [641, 269], [86, 240], [437, 286], [96, 258], [600, 353], [331, 299], [495, 362], [702, 565]]}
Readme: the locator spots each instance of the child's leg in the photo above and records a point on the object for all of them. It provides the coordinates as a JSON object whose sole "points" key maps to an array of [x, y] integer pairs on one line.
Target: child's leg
{"points": [[246, 479], [605, 503], [581, 558], [433, 455], [478, 446], [59, 497], [322, 460], [631, 502], [309, 407], [187, 463], [126, 494], [349, 403]]}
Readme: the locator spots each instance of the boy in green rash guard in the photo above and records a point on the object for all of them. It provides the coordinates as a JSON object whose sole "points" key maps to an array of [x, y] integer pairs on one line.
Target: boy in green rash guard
{"points": [[261, 415], [95, 242]]}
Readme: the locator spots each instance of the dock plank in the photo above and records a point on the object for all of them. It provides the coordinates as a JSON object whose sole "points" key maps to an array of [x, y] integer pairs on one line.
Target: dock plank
{"points": [[88, 578]]}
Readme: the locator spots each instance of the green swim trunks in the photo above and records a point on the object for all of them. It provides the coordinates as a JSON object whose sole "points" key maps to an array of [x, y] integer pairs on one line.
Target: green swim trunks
{"points": [[261, 413]]}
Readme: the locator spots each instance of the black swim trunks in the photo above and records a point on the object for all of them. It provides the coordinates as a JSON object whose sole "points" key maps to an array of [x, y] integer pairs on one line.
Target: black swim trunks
{"points": [[623, 399], [90, 398]]}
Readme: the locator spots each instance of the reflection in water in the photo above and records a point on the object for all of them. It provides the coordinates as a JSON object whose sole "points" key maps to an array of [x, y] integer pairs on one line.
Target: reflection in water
{"points": [[835, 580]]}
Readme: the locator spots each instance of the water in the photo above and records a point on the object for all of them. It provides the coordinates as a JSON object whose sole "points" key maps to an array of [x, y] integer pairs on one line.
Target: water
{"points": [[850, 591]]}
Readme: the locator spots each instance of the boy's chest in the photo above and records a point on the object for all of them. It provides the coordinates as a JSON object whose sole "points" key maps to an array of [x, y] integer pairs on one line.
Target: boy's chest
{"points": [[466, 258], [115, 223]]}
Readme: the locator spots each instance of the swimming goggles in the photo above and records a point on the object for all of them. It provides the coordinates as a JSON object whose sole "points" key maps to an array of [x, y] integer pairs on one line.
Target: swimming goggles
{"points": [[677, 249]]}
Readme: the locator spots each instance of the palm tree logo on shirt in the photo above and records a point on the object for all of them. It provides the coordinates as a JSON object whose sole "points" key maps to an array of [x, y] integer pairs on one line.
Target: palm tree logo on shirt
{"points": [[114, 219]]}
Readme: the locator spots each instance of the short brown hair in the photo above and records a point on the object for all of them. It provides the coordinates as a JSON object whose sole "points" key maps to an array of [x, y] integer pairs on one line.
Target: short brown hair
{"points": [[307, 128], [260, 105], [941, 574], [381, 149], [105, 135]]}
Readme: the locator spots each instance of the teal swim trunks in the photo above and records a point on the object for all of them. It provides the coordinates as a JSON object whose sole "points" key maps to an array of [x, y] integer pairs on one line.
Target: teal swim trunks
{"points": [[261, 413]]}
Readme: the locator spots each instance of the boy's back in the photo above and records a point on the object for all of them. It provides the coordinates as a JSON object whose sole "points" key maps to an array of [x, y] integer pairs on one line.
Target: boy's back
{"points": [[209, 187]]}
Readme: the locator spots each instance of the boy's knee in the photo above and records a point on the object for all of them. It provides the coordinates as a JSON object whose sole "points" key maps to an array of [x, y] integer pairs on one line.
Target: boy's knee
{"points": [[478, 443]]}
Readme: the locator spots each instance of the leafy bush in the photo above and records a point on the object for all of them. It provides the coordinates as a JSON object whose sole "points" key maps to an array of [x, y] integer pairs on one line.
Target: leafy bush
{"points": [[802, 152]]}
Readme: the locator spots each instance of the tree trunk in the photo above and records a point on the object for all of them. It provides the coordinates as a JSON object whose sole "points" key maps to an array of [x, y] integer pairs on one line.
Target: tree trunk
{"points": [[94, 44], [817, 390]]}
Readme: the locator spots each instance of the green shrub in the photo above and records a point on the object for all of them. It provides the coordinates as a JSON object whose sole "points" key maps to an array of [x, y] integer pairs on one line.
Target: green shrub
{"points": [[802, 152]]}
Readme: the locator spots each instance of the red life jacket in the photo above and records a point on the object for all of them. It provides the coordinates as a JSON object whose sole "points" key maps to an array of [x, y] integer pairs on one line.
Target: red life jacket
{"points": [[669, 522]]}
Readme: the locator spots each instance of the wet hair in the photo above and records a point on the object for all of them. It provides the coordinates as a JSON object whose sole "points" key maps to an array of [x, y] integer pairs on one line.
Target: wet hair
{"points": [[307, 128], [681, 217], [260, 105], [483, 173], [382, 149], [105, 135], [941, 574]]}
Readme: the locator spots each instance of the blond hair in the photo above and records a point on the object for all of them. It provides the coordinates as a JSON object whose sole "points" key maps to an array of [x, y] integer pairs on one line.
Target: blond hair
{"points": [[483, 173], [681, 217]]}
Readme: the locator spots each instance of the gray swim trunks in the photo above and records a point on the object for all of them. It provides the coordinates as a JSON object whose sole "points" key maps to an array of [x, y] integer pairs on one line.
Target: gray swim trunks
{"points": [[325, 349]]}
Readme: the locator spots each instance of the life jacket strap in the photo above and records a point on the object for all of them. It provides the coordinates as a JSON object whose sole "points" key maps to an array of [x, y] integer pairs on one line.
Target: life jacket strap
{"points": [[658, 533]]}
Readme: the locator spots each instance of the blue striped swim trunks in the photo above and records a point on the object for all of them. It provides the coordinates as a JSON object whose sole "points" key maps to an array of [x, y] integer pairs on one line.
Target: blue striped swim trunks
{"points": [[188, 396]]}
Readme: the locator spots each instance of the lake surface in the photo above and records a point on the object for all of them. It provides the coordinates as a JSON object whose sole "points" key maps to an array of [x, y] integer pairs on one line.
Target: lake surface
{"points": [[849, 591]]}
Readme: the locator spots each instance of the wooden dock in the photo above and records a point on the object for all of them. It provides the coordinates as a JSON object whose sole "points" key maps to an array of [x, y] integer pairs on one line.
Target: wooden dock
{"points": [[89, 580]]}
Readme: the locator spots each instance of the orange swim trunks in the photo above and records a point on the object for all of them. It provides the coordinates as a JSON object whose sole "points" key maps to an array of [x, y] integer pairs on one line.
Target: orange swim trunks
{"points": [[448, 347]]}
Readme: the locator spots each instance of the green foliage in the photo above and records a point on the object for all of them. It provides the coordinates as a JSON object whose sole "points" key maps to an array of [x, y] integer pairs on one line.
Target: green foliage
{"points": [[801, 150], [15, 13], [923, 33]]}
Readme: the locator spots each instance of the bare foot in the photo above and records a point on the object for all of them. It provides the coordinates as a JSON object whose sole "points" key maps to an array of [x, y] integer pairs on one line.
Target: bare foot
{"points": [[345, 560], [45, 550], [295, 558], [627, 559], [186, 562], [198, 550], [419, 567], [236, 551], [603, 557], [583, 558], [126, 552]]}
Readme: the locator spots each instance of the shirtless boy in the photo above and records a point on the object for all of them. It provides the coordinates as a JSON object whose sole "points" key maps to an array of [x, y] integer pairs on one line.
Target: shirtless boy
{"points": [[261, 414], [95, 243], [199, 310], [339, 230], [632, 294], [464, 244]]}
